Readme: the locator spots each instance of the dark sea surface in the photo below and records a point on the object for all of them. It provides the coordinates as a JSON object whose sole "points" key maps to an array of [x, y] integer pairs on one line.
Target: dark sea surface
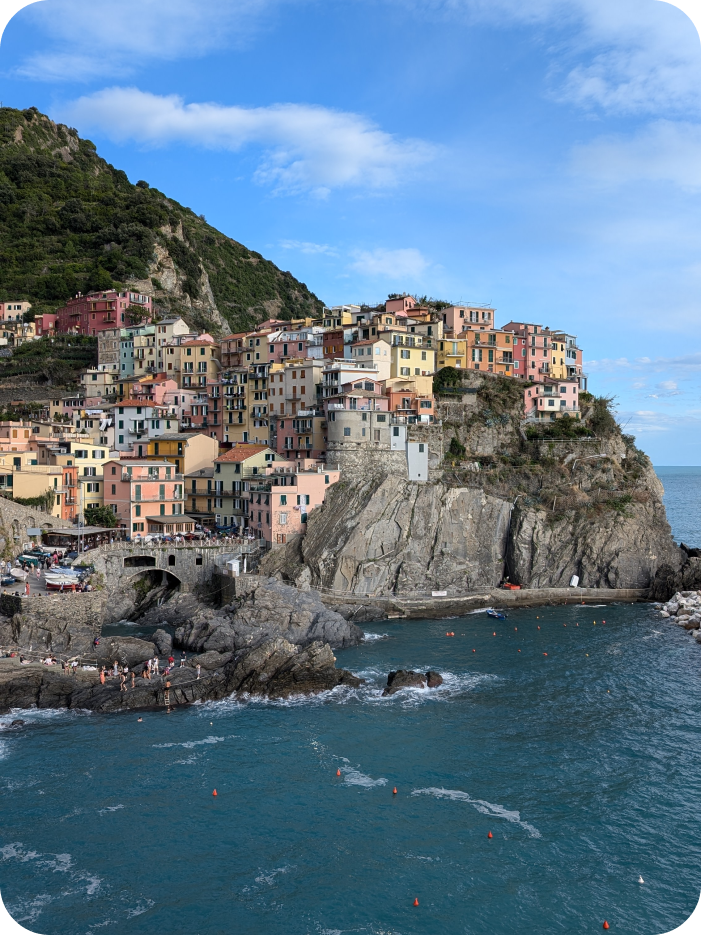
{"points": [[682, 500], [584, 768]]}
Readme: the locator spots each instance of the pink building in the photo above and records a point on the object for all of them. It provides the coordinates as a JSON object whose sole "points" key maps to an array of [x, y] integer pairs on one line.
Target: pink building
{"points": [[458, 317], [101, 311], [401, 304], [14, 311], [146, 497], [551, 400], [279, 503], [15, 436], [544, 354], [45, 325]]}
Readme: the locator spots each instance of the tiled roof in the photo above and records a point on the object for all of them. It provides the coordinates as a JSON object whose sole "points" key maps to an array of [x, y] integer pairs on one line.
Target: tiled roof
{"points": [[241, 452]]}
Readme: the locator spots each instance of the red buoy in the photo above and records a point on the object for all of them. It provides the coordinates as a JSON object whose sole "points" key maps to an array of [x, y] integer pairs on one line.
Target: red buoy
{"points": [[474, 650], [215, 792], [490, 835], [493, 634], [545, 654], [394, 791], [338, 772], [519, 650], [416, 902], [539, 628], [606, 925]]}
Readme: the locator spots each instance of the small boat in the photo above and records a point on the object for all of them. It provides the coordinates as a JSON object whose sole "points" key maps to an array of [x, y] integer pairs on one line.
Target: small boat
{"points": [[60, 582], [497, 614], [18, 573]]}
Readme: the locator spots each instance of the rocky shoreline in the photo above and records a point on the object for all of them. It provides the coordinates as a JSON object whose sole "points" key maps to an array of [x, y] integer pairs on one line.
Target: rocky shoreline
{"points": [[272, 641], [684, 609]]}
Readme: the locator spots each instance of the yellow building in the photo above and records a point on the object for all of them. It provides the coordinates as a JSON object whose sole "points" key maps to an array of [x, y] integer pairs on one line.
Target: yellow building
{"points": [[410, 357], [187, 451], [192, 363]]}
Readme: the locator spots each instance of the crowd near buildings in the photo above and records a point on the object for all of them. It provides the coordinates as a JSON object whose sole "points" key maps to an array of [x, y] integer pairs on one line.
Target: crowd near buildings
{"points": [[173, 431]]}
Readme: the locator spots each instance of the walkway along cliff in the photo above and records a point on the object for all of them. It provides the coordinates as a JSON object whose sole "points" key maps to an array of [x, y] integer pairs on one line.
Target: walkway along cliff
{"points": [[493, 503]]}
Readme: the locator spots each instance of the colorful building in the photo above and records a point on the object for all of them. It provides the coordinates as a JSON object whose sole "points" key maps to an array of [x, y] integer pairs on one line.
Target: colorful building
{"points": [[146, 497], [101, 311]]}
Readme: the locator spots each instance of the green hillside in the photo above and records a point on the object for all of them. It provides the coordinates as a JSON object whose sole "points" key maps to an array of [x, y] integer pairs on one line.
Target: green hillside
{"points": [[71, 222]]}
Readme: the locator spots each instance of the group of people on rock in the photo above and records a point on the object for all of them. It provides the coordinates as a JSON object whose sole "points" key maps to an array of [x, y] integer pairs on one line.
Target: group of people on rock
{"points": [[151, 669]]}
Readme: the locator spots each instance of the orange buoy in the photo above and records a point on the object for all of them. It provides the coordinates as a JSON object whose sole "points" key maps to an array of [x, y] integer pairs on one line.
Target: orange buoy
{"points": [[519, 650], [338, 772], [490, 835], [493, 634], [545, 654], [603, 621], [515, 629], [215, 792], [539, 628], [394, 791], [564, 624], [416, 902], [606, 925], [474, 650], [447, 634]]}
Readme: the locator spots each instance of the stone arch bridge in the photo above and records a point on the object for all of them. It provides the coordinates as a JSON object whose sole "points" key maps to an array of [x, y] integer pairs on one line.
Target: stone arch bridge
{"points": [[165, 567]]}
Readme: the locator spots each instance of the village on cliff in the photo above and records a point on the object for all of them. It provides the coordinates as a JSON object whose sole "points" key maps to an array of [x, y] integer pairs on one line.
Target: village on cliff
{"points": [[175, 432]]}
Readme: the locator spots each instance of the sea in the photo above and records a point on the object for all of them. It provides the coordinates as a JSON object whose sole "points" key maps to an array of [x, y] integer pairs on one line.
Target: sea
{"points": [[549, 784]]}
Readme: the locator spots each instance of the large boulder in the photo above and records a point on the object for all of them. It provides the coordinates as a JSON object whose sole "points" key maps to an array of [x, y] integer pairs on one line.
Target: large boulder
{"points": [[266, 609], [127, 650], [163, 642], [405, 678]]}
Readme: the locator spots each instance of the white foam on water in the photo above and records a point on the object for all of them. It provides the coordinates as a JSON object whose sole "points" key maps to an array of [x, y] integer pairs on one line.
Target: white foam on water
{"points": [[109, 808], [29, 910], [268, 877], [142, 906], [486, 808], [372, 637], [188, 761], [189, 744], [353, 777]]}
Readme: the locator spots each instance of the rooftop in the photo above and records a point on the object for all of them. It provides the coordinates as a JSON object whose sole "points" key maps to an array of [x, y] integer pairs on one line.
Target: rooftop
{"points": [[241, 453]]}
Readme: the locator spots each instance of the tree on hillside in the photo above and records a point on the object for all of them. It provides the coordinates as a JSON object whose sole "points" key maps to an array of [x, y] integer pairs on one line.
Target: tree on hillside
{"points": [[100, 516], [136, 314]]}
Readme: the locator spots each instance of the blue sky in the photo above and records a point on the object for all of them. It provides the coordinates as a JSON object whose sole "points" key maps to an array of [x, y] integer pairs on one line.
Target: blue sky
{"points": [[541, 156]]}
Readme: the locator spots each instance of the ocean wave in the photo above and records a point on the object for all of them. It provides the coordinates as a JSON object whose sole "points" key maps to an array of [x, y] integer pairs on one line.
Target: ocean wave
{"points": [[30, 910], [353, 777], [486, 808], [109, 808], [142, 906], [372, 637], [188, 744]]}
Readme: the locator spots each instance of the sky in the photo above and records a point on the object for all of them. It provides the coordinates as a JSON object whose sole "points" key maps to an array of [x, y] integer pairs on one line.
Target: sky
{"points": [[540, 156]]}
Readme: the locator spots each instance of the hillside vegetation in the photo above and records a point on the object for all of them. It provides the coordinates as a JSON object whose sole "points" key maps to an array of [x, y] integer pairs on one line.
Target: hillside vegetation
{"points": [[69, 221]]}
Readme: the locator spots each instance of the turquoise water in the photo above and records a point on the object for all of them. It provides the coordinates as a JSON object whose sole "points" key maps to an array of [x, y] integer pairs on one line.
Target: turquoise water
{"points": [[584, 768], [682, 500]]}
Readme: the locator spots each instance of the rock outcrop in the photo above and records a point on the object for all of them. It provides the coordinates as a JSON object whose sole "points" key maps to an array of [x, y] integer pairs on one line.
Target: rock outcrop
{"points": [[405, 678], [275, 668], [265, 608], [533, 510]]}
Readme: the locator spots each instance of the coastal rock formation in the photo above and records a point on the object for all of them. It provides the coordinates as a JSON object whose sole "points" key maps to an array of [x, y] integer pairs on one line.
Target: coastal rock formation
{"points": [[275, 668], [405, 678], [506, 505], [684, 609], [126, 650], [265, 608]]}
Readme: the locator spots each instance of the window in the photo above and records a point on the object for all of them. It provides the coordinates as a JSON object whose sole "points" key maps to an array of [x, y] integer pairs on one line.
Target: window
{"points": [[422, 448], [404, 371], [282, 519], [137, 491], [89, 472], [405, 355], [425, 404], [283, 499], [377, 436], [137, 511], [346, 431]]}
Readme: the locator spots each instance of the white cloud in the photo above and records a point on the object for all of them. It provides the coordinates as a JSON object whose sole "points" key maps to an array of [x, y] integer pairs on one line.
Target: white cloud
{"points": [[407, 263], [120, 37], [304, 246], [637, 56], [306, 147], [685, 363], [663, 151]]}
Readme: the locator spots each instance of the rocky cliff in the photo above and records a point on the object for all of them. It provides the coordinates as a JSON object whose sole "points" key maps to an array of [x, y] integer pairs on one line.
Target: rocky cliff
{"points": [[498, 504]]}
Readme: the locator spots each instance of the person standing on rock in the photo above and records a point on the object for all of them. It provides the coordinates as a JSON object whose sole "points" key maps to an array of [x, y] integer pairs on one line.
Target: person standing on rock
{"points": [[197, 668], [171, 661], [102, 676], [155, 665], [115, 669], [122, 683], [183, 660], [133, 679]]}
